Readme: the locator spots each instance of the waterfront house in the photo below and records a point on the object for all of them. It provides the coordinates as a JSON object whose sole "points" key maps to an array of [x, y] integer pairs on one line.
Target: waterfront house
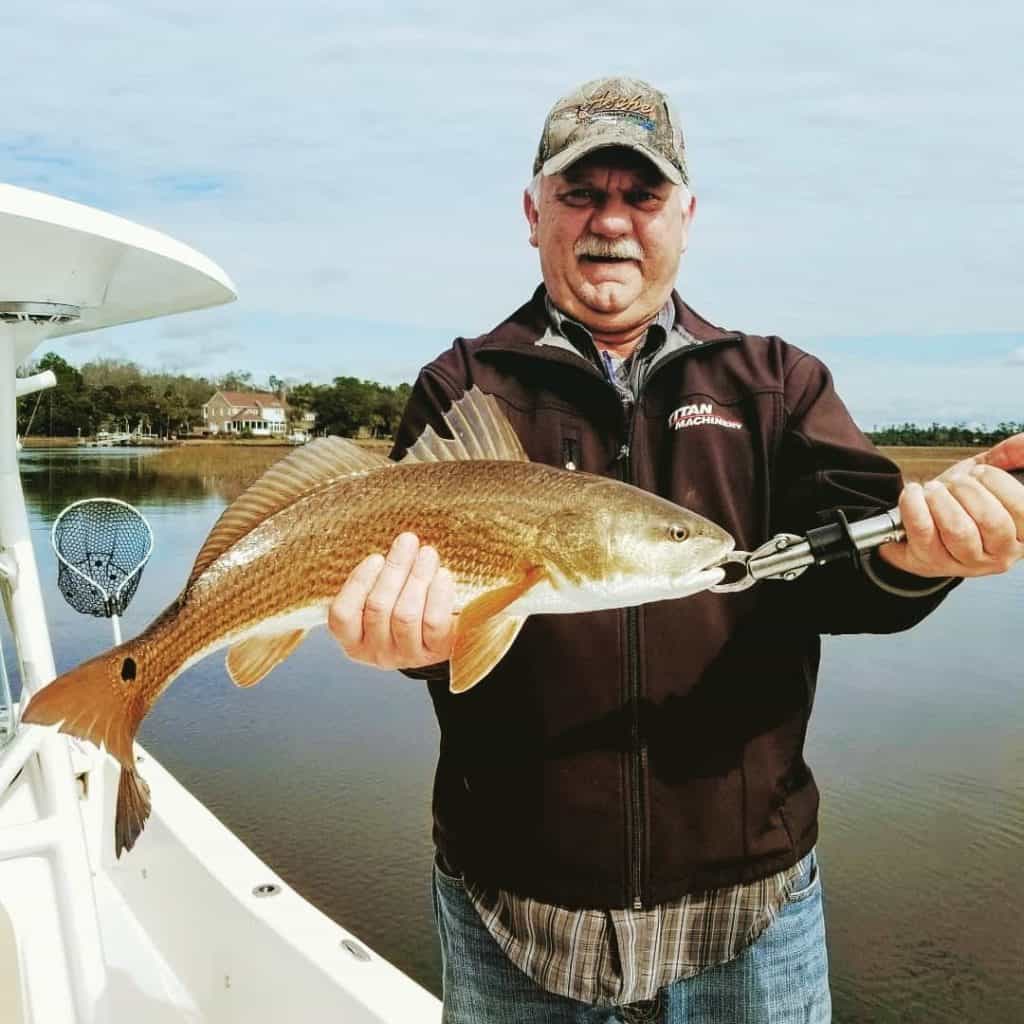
{"points": [[260, 413]]}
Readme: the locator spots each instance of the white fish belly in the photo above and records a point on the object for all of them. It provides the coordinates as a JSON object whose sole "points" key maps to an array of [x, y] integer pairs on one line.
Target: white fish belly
{"points": [[616, 592], [306, 617]]}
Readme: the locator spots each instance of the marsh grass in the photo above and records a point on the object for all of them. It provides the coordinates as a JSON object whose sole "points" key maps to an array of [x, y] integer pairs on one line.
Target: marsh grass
{"points": [[230, 468], [921, 464]]}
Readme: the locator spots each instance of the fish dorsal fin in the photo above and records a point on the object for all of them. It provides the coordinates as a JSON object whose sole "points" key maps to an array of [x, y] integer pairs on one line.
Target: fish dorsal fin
{"points": [[480, 430], [314, 465], [249, 661], [483, 634]]}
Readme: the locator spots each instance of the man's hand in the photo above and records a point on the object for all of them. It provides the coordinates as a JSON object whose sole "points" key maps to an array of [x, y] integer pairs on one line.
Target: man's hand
{"points": [[396, 612], [969, 521]]}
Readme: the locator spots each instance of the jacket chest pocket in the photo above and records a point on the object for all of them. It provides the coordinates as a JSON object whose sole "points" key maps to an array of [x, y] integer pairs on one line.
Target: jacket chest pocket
{"points": [[571, 453], [552, 437]]}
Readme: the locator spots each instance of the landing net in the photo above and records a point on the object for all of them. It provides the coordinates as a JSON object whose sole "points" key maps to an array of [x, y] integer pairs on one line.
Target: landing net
{"points": [[102, 546]]}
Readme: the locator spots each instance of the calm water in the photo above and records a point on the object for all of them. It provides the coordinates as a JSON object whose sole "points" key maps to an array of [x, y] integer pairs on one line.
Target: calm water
{"points": [[917, 742]]}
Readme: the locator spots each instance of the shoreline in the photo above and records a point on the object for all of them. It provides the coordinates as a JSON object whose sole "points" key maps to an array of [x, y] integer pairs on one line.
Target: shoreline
{"points": [[238, 463]]}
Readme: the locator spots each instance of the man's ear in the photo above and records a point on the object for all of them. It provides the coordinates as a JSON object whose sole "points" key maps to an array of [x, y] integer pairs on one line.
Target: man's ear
{"points": [[689, 212], [532, 215]]}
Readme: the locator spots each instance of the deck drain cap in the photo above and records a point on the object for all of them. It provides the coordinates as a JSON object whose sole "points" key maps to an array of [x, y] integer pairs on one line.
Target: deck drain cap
{"points": [[357, 951], [266, 889]]}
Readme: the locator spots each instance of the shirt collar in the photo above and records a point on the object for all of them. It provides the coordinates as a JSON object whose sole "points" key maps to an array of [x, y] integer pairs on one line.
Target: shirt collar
{"points": [[581, 338]]}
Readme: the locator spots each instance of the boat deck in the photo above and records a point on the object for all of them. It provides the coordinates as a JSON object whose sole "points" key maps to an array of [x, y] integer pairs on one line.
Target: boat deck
{"points": [[194, 927]]}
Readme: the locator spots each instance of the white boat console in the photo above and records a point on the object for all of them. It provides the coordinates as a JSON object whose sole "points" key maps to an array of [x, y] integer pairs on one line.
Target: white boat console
{"points": [[190, 926]]}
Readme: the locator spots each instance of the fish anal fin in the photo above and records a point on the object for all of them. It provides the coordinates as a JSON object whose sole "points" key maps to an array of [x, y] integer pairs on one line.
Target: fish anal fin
{"points": [[250, 660], [483, 634], [480, 430], [312, 466]]}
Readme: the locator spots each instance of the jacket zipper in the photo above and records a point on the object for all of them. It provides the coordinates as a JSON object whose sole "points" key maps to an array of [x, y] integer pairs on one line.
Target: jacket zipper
{"points": [[638, 751], [638, 747]]}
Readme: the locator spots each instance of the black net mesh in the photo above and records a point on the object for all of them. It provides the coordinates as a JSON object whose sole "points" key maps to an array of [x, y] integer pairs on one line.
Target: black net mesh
{"points": [[101, 547]]}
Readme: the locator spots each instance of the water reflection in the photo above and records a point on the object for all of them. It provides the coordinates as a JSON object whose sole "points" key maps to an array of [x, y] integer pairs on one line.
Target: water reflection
{"points": [[54, 478], [916, 743]]}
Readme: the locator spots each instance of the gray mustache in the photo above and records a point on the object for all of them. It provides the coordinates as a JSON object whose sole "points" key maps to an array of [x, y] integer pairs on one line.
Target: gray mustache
{"points": [[618, 248]]}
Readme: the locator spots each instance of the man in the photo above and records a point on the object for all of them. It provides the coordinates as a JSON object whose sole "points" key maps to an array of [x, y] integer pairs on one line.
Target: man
{"points": [[624, 819]]}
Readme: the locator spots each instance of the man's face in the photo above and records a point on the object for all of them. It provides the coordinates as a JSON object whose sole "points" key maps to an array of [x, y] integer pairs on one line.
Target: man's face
{"points": [[610, 230]]}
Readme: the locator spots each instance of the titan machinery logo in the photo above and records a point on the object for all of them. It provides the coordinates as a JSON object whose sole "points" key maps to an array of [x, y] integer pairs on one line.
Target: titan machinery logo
{"points": [[700, 414]]}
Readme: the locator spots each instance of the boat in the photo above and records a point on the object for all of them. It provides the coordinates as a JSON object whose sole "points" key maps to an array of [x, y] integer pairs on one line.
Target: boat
{"points": [[190, 926], [107, 439]]}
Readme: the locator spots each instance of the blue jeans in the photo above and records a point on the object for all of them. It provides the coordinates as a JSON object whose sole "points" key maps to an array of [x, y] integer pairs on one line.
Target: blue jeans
{"points": [[782, 978]]}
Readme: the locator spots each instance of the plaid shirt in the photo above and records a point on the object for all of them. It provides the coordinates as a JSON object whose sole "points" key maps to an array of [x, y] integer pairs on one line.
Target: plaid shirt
{"points": [[616, 957], [613, 957]]}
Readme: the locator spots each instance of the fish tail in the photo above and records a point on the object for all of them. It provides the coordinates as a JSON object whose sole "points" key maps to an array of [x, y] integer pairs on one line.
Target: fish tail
{"points": [[133, 807], [90, 703]]}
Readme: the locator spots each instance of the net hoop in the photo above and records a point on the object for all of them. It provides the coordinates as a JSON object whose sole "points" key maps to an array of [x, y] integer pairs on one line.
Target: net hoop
{"points": [[102, 545]]}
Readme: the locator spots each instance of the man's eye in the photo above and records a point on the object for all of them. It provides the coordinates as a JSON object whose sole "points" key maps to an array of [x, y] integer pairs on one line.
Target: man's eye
{"points": [[578, 197], [641, 197]]}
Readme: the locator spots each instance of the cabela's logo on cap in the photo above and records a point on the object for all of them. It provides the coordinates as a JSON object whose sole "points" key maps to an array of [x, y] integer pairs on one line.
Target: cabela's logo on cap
{"points": [[610, 104]]}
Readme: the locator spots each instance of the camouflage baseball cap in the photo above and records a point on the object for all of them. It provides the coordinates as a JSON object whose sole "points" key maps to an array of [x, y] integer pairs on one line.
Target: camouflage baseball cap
{"points": [[613, 112]]}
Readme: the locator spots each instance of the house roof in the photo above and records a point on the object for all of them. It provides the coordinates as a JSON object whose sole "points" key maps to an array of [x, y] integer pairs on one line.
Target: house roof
{"points": [[249, 398]]}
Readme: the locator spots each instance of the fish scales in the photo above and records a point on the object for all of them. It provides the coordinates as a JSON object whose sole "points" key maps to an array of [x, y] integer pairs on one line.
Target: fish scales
{"points": [[482, 517]]}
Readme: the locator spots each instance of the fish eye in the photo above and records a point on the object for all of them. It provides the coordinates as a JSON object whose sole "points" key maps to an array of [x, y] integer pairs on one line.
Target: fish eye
{"points": [[677, 532], [128, 669]]}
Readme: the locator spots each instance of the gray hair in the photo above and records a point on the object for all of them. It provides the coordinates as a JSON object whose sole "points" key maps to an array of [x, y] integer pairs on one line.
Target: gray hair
{"points": [[533, 190]]}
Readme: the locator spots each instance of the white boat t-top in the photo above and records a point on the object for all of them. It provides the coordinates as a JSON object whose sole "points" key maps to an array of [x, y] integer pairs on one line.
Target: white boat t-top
{"points": [[192, 926]]}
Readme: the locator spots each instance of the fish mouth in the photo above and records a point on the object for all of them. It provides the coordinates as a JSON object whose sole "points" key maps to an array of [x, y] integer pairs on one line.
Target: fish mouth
{"points": [[713, 572], [710, 577], [695, 582]]}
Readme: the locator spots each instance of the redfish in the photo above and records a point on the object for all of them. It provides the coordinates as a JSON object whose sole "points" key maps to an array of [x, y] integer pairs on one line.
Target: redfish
{"points": [[519, 537]]}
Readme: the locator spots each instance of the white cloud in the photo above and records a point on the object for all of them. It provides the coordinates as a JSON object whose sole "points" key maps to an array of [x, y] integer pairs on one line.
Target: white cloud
{"points": [[855, 175]]}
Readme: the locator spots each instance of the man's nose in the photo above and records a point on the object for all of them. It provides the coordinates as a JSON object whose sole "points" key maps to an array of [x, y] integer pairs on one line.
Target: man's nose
{"points": [[612, 219]]}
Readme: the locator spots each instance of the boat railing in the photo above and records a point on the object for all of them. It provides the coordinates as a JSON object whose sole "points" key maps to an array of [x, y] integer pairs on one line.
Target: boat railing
{"points": [[57, 834], [84, 938]]}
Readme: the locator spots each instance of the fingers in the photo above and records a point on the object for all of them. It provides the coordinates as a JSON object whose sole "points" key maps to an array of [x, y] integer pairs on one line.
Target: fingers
{"points": [[994, 523], [396, 611], [1008, 491], [345, 617], [438, 623], [1008, 454], [969, 523], [381, 600], [408, 611]]}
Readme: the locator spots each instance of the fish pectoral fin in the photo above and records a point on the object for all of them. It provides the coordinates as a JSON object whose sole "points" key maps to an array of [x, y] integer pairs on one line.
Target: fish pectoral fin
{"points": [[483, 634], [250, 660], [482, 649]]}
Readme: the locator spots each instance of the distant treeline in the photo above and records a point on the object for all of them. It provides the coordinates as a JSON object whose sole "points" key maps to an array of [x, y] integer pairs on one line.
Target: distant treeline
{"points": [[114, 394], [939, 435]]}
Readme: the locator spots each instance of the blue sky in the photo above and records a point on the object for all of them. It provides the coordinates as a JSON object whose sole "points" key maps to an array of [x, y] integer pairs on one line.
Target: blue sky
{"points": [[358, 172]]}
